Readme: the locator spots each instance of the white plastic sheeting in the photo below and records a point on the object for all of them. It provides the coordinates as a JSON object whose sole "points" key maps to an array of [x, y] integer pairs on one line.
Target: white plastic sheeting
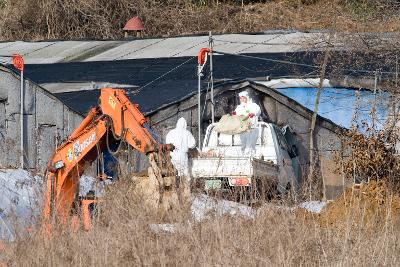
{"points": [[203, 206], [313, 206], [20, 199], [21, 196], [340, 105], [88, 183], [295, 83], [165, 227]]}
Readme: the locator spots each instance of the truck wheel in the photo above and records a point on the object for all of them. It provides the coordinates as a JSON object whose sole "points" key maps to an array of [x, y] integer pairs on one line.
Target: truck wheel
{"points": [[260, 190], [291, 193], [266, 189]]}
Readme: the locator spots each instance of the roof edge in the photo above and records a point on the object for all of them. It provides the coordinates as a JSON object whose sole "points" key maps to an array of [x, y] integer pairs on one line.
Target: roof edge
{"points": [[17, 76], [241, 83]]}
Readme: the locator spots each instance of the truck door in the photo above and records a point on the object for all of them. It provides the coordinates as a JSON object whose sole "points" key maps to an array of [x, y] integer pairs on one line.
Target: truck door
{"points": [[287, 177]]}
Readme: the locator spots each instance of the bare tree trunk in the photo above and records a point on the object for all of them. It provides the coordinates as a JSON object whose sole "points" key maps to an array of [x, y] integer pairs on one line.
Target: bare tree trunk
{"points": [[315, 185]]}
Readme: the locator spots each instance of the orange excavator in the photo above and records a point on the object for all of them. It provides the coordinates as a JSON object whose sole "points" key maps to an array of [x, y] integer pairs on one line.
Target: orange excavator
{"points": [[115, 120]]}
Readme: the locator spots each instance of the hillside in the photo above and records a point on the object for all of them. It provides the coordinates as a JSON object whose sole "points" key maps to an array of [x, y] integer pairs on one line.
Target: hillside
{"points": [[49, 19]]}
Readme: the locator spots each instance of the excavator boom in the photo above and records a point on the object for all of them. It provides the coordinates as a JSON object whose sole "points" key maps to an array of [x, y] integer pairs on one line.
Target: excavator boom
{"points": [[116, 119]]}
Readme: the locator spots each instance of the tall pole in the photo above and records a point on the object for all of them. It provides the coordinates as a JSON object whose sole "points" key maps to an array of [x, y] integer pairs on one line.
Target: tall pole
{"points": [[201, 60], [18, 63], [397, 70], [211, 45], [312, 155], [22, 120], [199, 104], [374, 105]]}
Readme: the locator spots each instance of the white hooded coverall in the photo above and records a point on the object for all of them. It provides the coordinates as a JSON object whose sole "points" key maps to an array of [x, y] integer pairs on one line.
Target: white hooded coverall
{"points": [[249, 139], [182, 139], [250, 107]]}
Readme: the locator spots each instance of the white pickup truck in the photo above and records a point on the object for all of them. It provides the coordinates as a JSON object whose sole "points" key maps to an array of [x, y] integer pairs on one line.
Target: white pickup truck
{"points": [[221, 164]]}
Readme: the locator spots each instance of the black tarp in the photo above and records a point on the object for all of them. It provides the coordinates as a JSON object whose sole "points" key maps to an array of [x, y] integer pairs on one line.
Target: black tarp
{"points": [[165, 87]]}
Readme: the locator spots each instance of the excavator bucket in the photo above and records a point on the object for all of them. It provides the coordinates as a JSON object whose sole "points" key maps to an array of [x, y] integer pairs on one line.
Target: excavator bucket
{"points": [[155, 201], [159, 189]]}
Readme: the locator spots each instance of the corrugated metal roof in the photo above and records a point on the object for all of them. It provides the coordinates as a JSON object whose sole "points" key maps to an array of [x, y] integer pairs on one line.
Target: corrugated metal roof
{"points": [[72, 51], [267, 42], [164, 69]]}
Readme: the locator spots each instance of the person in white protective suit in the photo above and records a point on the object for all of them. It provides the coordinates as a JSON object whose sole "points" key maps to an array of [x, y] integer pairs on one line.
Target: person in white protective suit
{"points": [[252, 111], [247, 108], [183, 140]]}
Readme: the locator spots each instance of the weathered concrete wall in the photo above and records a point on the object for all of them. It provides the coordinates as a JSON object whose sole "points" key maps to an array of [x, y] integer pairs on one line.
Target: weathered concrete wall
{"points": [[326, 140], [47, 121]]}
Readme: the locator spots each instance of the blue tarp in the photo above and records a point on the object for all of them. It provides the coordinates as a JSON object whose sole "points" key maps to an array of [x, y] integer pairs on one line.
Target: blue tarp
{"points": [[340, 104]]}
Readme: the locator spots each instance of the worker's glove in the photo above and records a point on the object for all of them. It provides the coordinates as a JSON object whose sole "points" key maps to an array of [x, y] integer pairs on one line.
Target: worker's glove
{"points": [[251, 115], [233, 113]]}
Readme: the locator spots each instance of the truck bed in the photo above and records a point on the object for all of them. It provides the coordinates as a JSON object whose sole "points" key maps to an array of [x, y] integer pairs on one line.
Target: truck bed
{"points": [[232, 167]]}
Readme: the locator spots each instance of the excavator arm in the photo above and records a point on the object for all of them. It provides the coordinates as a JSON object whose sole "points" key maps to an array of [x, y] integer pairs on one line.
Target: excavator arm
{"points": [[116, 119]]}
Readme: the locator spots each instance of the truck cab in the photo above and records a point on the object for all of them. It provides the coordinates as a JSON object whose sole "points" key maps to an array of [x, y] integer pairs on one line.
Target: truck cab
{"points": [[222, 164]]}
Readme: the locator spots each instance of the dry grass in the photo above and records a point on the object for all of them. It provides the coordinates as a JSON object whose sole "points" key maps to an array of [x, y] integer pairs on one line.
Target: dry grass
{"points": [[49, 19], [122, 237]]}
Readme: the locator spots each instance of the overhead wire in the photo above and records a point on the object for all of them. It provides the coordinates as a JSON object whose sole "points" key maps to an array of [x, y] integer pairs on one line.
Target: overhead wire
{"points": [[171, 70], [267, 59], [79, 93], [255, 44], [260, 43], [299, 64], [140, 49], [164, 74], [170, 56]]}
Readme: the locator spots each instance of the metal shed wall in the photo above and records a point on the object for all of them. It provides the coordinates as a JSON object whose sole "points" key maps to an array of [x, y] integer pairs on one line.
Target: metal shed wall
{"points": [[47, 122]]}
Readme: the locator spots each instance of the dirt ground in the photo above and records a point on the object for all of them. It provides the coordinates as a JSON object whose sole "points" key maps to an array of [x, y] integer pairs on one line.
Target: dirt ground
{"points": [[366, 205]]}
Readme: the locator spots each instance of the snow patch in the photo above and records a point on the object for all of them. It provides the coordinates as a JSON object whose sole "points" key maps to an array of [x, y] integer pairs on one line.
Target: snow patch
{"points": [[20, 199], [158, 228], [313, 206], [89, 183], [203, 206]]}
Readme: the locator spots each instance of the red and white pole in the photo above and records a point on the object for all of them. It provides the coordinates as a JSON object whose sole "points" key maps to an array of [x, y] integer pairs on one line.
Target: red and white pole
{"points": [[18, 62], [201, 61]]}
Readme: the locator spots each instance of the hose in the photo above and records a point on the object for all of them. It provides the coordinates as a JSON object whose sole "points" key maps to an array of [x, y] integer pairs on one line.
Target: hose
{"points": [[109, 126]]}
